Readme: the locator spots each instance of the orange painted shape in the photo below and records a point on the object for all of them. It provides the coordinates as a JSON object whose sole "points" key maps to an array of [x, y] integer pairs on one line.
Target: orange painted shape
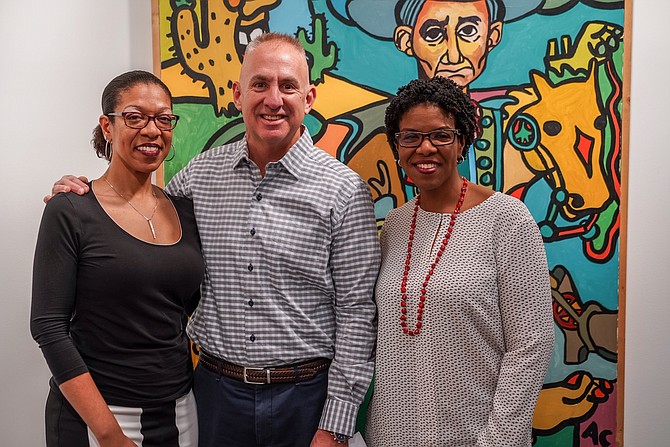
{"points": [[181, 84], [333, 138], [336, 97]]}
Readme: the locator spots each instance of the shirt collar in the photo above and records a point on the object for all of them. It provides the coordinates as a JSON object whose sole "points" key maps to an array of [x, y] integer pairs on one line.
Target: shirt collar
{"points": [[293, 161], [240, 152]]}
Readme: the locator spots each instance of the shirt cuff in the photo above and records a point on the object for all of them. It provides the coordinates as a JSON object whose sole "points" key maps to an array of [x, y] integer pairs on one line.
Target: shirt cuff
{"points": [[339, 417]]}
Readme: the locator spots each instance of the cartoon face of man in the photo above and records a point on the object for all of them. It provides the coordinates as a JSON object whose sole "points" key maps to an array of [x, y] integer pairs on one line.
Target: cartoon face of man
{"points": [[450, 39]]}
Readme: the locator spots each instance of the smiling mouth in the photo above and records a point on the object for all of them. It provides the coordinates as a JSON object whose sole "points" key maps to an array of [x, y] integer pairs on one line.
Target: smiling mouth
{"points": [[149, 150], [272, 117], [426, 165]]}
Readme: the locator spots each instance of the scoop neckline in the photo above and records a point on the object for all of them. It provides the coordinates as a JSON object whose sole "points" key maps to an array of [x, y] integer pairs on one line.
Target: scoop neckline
{"points": [[123, 230]]}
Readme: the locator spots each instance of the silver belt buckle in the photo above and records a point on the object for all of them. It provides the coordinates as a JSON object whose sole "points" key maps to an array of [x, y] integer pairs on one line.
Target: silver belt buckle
{"points": [[244, 375]]}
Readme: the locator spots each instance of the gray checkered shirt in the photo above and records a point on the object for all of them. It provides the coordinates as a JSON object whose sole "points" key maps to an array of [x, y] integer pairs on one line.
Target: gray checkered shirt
{"points": [[291, 263]]}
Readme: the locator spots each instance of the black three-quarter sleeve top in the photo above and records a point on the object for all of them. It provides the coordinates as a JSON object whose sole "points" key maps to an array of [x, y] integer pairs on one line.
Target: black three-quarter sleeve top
{"points": [[110, 304]]}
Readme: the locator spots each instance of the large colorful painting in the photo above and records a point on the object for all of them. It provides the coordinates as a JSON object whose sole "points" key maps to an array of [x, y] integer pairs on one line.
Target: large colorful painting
{"points": [[546, 76]]}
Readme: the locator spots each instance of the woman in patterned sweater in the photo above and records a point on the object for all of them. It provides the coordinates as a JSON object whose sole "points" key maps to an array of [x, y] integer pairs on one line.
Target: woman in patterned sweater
{"points": [[465, 323]]}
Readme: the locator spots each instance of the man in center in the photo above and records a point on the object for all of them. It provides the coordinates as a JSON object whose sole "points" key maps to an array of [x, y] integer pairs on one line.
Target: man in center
{"points": [[286, 324]]}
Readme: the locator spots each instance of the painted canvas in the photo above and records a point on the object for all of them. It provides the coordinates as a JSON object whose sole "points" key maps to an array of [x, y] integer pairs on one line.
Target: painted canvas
{"points": [[546, 77]]}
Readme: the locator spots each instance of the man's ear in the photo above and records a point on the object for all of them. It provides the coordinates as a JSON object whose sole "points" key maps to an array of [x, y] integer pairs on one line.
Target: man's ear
{"points": [[495, 35], [237, 93], [402, 36], [310, 98]]}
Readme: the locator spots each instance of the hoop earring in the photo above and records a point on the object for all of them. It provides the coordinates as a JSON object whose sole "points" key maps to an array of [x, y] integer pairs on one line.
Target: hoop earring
{"points": [[108, 150], [174, 152], [460, 159]]}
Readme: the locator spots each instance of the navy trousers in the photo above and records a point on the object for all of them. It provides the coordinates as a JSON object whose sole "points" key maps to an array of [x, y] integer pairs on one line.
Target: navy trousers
{"points": [[232, 413]]}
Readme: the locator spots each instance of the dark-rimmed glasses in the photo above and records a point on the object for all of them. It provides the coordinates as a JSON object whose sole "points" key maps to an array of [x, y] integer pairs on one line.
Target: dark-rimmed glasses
{"points": [[138, 120], [439, 137]]}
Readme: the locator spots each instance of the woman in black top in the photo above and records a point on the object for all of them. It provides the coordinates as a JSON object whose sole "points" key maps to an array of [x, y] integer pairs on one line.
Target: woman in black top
{"points": [[116, 273]]}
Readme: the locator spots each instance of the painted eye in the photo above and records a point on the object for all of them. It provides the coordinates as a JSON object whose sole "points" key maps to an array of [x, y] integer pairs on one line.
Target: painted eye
{"points": [[431, 33], [552, 128], [468, 32]]}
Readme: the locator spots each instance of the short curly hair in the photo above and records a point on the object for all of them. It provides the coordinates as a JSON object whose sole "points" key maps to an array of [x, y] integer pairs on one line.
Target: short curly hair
{"points": [[441, 92]]}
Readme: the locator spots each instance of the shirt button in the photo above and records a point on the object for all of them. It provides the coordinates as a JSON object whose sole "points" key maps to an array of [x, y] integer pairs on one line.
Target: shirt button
{"points": [[250, 267], [253, 231], [251, 303], [252, 338], [259, 196]]}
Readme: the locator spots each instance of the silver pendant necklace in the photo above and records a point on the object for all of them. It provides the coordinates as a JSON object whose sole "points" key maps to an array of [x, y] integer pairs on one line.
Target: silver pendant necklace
{"points": [[148, 219]]}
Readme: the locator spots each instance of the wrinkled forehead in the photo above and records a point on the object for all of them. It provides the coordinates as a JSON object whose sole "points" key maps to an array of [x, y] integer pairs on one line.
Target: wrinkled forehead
{"points": [[275, 60]]}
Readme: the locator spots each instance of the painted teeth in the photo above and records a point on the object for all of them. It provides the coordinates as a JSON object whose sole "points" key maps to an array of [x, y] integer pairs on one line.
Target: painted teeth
{"points": [[245, 38], [255, 33]]}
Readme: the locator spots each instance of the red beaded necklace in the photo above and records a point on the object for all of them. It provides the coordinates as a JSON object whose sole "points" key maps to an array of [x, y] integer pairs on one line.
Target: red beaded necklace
{"points": [[403, 285]]}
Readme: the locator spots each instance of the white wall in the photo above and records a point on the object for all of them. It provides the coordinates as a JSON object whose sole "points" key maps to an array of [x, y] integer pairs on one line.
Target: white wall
{"points": [[58, 56], [647, 397]]}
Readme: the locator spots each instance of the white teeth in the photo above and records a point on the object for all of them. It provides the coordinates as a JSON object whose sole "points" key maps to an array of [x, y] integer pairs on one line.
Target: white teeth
{"points": [[148, 149], [245, 38], [426, 165], [242, 36], [255, 33], [272, 117]]}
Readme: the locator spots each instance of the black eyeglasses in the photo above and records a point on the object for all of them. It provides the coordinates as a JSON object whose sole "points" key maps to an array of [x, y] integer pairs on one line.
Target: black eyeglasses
{"points": [[439, 137], [138, 120]]}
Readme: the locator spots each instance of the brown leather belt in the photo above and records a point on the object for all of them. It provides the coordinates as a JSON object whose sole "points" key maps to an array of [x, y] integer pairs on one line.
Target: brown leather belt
{"points": [[262, 376]]}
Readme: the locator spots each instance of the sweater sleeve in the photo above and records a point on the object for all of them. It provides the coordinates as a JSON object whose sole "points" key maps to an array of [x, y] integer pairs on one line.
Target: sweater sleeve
{"points": [[527, 324], [54, 288]]}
